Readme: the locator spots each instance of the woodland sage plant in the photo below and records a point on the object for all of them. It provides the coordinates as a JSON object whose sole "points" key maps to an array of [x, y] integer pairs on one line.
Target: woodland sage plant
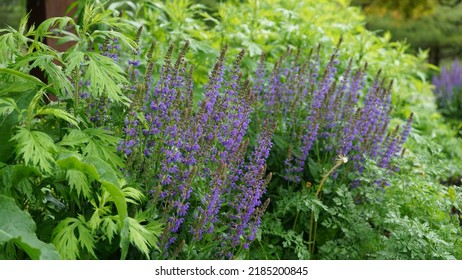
{"points": [[322, 116], [448, 90], [194, 162]]}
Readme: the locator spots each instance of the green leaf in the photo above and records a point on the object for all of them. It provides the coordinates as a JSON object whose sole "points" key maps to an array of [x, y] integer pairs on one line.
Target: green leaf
{"points": [[74, 60], [24, 76], [71, 161], [74, 138], [60, 23], [133, 195], [17, 177], [106, 77], [17, 226], [8, 124], [36, 148], [79, 182], [109, 227], [17, 88], [252, 48], [7, 106], [140, 236], [102, 144], [46, 62], [108, 178], [102, 172], [125, 239], [68, 243], [58, 113]]}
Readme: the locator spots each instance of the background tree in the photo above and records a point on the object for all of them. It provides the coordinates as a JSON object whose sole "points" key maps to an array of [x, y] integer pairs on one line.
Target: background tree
{"points": [[427, 24]]}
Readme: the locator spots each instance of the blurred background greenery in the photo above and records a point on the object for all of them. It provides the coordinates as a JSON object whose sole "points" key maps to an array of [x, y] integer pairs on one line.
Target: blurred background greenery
{"points": [[11, 12], [433, 25], [424, 24]]}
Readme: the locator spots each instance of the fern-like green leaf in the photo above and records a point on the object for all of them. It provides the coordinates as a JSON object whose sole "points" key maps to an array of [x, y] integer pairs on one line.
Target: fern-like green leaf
{"points": [[72, 234], [74, 60], [86, 238], [141, 237], [109, 227], [44, 29], [74, 138], [65, 240], [133, 195], [78, 181], [45, 60], [9, 47], [106, 77], [36, 148], [101, 209], [102, 144], [102, 172], [7, 106]]}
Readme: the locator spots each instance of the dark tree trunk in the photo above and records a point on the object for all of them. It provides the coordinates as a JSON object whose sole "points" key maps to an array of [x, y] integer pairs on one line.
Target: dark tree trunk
{"points": [[435, 55], [37, 11], [40, 10]]}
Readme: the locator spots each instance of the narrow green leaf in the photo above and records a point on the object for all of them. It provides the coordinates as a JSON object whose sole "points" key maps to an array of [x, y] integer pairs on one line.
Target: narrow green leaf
{"points": [[125, 239], [58, 113], [19, 74]]}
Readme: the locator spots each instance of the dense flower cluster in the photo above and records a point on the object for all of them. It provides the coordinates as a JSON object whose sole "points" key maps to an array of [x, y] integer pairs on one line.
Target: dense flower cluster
{"points": [[324, 113], [195, 160], [448, 90]]}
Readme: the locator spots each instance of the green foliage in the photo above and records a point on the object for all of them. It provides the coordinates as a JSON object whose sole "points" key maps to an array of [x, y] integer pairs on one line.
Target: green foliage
{"points": [[18, 228], [64, 169], [410, 219], [68, 243], [36, 148]]}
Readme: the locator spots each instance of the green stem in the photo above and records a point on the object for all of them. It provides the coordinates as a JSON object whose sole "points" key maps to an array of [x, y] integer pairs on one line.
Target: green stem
{"points": [[76, 92], [324, 178], [296, 219], [313, 224], [310, 235]]}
